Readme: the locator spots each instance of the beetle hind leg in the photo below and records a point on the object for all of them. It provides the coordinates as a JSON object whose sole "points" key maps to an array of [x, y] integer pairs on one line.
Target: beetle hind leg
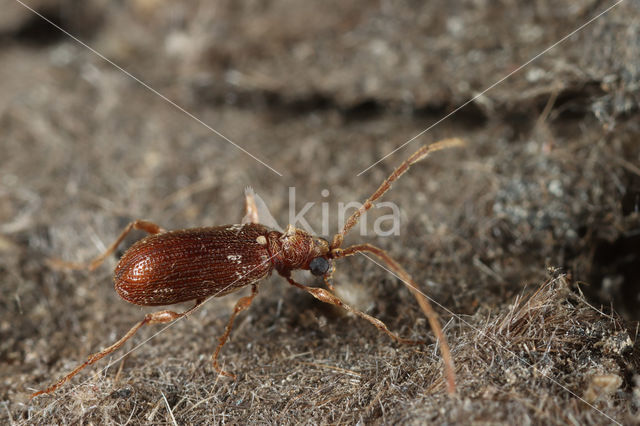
{"points": [[159, 317], [143, 225]]}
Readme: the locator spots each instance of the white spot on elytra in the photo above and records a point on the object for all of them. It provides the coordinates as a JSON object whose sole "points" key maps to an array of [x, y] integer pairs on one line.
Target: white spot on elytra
{"points": [[237, 258], [262, 240]]}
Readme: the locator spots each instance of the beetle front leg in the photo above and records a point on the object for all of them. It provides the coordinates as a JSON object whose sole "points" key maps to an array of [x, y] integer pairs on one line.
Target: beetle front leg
{"points": [[143, 225], [328, 297], [434, 321], [328, 278]]}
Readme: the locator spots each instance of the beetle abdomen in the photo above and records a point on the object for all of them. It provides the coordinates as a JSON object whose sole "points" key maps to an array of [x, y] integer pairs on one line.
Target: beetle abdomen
{"points": [[190, 264]]}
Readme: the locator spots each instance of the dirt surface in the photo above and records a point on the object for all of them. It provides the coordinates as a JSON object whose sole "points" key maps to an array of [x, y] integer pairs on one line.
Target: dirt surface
{"points": [[528, 238]]}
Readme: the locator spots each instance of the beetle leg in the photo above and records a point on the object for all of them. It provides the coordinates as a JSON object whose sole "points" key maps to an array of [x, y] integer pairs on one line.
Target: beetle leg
{"points": [[434, 322], [241, 305], [328, 297], [143, 225], [328, 278], [159, 317], [250, 207]]}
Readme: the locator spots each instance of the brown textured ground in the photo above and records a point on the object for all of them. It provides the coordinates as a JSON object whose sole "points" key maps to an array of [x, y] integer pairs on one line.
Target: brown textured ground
{"points": [[550, 179]]}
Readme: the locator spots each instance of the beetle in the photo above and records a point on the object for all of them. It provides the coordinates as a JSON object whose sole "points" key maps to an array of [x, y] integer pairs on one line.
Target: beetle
{"points": [[169, 267]]}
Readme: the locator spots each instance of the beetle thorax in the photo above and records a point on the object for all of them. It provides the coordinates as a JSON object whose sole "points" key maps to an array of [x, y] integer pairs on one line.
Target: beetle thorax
{"points": [[295, 248]]}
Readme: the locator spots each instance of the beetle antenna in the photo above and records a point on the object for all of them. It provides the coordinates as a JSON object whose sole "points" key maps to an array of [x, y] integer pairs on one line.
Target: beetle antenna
{"points": [[386, 185], [434, 322]]}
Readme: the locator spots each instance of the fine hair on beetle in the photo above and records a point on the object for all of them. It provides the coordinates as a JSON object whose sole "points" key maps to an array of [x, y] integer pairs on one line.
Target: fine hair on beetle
{"points": [[195, 264]]}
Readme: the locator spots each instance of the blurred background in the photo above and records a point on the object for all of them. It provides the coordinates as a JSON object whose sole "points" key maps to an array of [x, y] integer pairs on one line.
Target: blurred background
{"points": [[311, 94]]}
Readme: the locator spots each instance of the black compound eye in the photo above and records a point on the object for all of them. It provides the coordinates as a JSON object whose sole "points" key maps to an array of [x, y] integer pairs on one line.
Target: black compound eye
{"points": [[319, 266]]}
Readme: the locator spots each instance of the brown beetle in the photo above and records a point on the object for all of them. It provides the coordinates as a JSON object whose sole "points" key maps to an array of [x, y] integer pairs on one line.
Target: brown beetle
{"points": [[197, 264]]}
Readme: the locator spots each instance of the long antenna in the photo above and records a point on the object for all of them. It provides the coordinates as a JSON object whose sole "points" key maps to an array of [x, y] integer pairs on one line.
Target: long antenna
{"points": [[386, 185]]}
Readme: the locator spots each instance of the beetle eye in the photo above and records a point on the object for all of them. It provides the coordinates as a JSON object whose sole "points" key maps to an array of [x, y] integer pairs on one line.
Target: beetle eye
{"points": [[319, 266]]}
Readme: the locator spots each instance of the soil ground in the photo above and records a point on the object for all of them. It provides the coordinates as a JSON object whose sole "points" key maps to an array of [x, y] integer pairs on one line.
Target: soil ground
{"points": [[528, 238]]}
